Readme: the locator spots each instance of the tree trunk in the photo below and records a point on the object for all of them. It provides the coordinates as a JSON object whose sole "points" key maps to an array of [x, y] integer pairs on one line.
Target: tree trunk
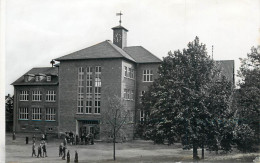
{"points": [[195, 152], [202, 152], [114, 144]]}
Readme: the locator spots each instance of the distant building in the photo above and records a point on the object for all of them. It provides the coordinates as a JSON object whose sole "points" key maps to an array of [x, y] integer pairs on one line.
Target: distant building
{"points": [[73, 95]]}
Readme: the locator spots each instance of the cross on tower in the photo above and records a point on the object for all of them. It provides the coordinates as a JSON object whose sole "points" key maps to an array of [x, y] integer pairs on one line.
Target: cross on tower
{"points": [[119, 14]]}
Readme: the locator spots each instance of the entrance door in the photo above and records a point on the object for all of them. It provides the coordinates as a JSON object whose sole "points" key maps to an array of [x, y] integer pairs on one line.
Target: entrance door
{"points": [[91, 129]]}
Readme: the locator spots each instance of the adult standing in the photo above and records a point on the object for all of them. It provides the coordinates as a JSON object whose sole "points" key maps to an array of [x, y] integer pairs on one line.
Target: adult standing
{"points": [[33, 150], [65, 142]]}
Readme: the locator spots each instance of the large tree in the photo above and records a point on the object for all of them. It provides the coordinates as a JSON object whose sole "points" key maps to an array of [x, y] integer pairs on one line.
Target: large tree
{"points": [[248, 96], [186, 99]]}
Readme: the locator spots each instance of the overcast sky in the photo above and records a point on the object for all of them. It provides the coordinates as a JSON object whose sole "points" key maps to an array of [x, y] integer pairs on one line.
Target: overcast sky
{"points": [[38, 31]]}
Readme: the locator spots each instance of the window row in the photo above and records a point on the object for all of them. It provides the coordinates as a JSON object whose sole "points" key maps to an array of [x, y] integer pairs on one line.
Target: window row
{"points": [[128, 94], [37, 96], [36, 114], [129, 72]]}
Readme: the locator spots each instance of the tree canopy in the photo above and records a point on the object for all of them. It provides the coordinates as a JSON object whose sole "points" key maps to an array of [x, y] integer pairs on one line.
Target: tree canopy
{"points": [[189, 101]]}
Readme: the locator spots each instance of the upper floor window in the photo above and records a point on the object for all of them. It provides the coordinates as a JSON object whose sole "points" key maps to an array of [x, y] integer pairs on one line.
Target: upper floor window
{"points": [[24, 95], [126, 74], [51, 96], [23, 113], [36, 95], [50, 114], [148, 75], [48, 78], [36, 114]]}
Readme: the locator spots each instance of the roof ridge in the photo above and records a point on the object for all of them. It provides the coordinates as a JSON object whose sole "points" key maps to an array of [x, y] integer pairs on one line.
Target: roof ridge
{"points": [[117, 49], [80, 50]]}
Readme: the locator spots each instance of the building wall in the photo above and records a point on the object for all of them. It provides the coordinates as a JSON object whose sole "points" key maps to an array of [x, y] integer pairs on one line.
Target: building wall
{"points": [[143, 86], [35, 125], [111, 71]]}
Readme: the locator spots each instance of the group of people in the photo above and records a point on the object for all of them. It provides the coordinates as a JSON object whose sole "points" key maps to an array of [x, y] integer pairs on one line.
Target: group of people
{"points": [[73, 139], [42, 150], [62, 153]]}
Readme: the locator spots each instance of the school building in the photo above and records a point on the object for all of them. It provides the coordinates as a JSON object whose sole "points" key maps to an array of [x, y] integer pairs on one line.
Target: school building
{"points": [[72, 95]]}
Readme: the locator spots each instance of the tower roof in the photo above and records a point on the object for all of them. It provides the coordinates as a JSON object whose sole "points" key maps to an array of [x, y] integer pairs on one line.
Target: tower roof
{"points": [[120, 27]]}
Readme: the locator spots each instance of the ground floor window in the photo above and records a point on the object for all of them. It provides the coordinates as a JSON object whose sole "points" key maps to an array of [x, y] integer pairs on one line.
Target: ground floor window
{"points": [[50, 114], [36, 114], [23, 113]]}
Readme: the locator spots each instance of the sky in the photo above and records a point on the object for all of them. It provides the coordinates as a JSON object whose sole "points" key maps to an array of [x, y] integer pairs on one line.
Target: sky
{"points": [[37, 31]]}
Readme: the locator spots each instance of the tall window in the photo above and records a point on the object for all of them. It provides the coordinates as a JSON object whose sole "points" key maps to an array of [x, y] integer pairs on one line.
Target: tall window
{"points": [[97, 89], [126, 71], [141, 116], [36, 114], [148, 75], [36, 95], [80, 90], [50, 114], [23, 113], [51, 96], [88, 90], [24, 95]]}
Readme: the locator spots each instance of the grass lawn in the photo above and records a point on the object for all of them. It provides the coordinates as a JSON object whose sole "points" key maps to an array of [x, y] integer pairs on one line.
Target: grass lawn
{"points": [[130, 152]]}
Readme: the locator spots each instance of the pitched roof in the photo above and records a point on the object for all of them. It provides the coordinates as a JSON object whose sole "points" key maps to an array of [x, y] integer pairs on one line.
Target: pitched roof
{"points": [[40, 70], [141, 55], [105, 49], [227, 67]]}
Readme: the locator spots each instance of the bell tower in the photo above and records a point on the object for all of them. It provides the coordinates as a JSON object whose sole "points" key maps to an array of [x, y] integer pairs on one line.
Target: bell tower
{"points": [[120, 34]]}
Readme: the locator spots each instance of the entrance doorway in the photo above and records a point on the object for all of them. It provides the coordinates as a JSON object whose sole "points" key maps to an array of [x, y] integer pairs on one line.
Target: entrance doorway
{"points": [[85, 127]]}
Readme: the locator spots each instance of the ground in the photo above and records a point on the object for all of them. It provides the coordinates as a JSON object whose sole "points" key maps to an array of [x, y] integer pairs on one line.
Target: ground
{"points": [[135, 151]]}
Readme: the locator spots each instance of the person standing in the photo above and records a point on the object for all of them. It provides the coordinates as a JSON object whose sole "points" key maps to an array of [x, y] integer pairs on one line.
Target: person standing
{"points": [[33, 138], [33, 150], [39, 151], [14, 137], [60, 150], [44, 149], [68, 156], [26, 139], [64, 152], [65, 142], [76, 157]]}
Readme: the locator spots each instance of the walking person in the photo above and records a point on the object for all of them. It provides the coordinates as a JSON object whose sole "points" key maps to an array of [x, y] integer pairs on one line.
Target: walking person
{"points": [[44, 149], [26, 139], [39, 151], [33, 150], [60, 150], [68, 156]]}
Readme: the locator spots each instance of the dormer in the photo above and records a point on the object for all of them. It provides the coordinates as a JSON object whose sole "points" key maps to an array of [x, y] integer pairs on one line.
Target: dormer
{"points": [[39, 77], [28, 77], [48, 78]]}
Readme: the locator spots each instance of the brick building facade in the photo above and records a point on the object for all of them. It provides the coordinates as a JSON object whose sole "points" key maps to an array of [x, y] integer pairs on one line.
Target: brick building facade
{"points": [[82, 83]]}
